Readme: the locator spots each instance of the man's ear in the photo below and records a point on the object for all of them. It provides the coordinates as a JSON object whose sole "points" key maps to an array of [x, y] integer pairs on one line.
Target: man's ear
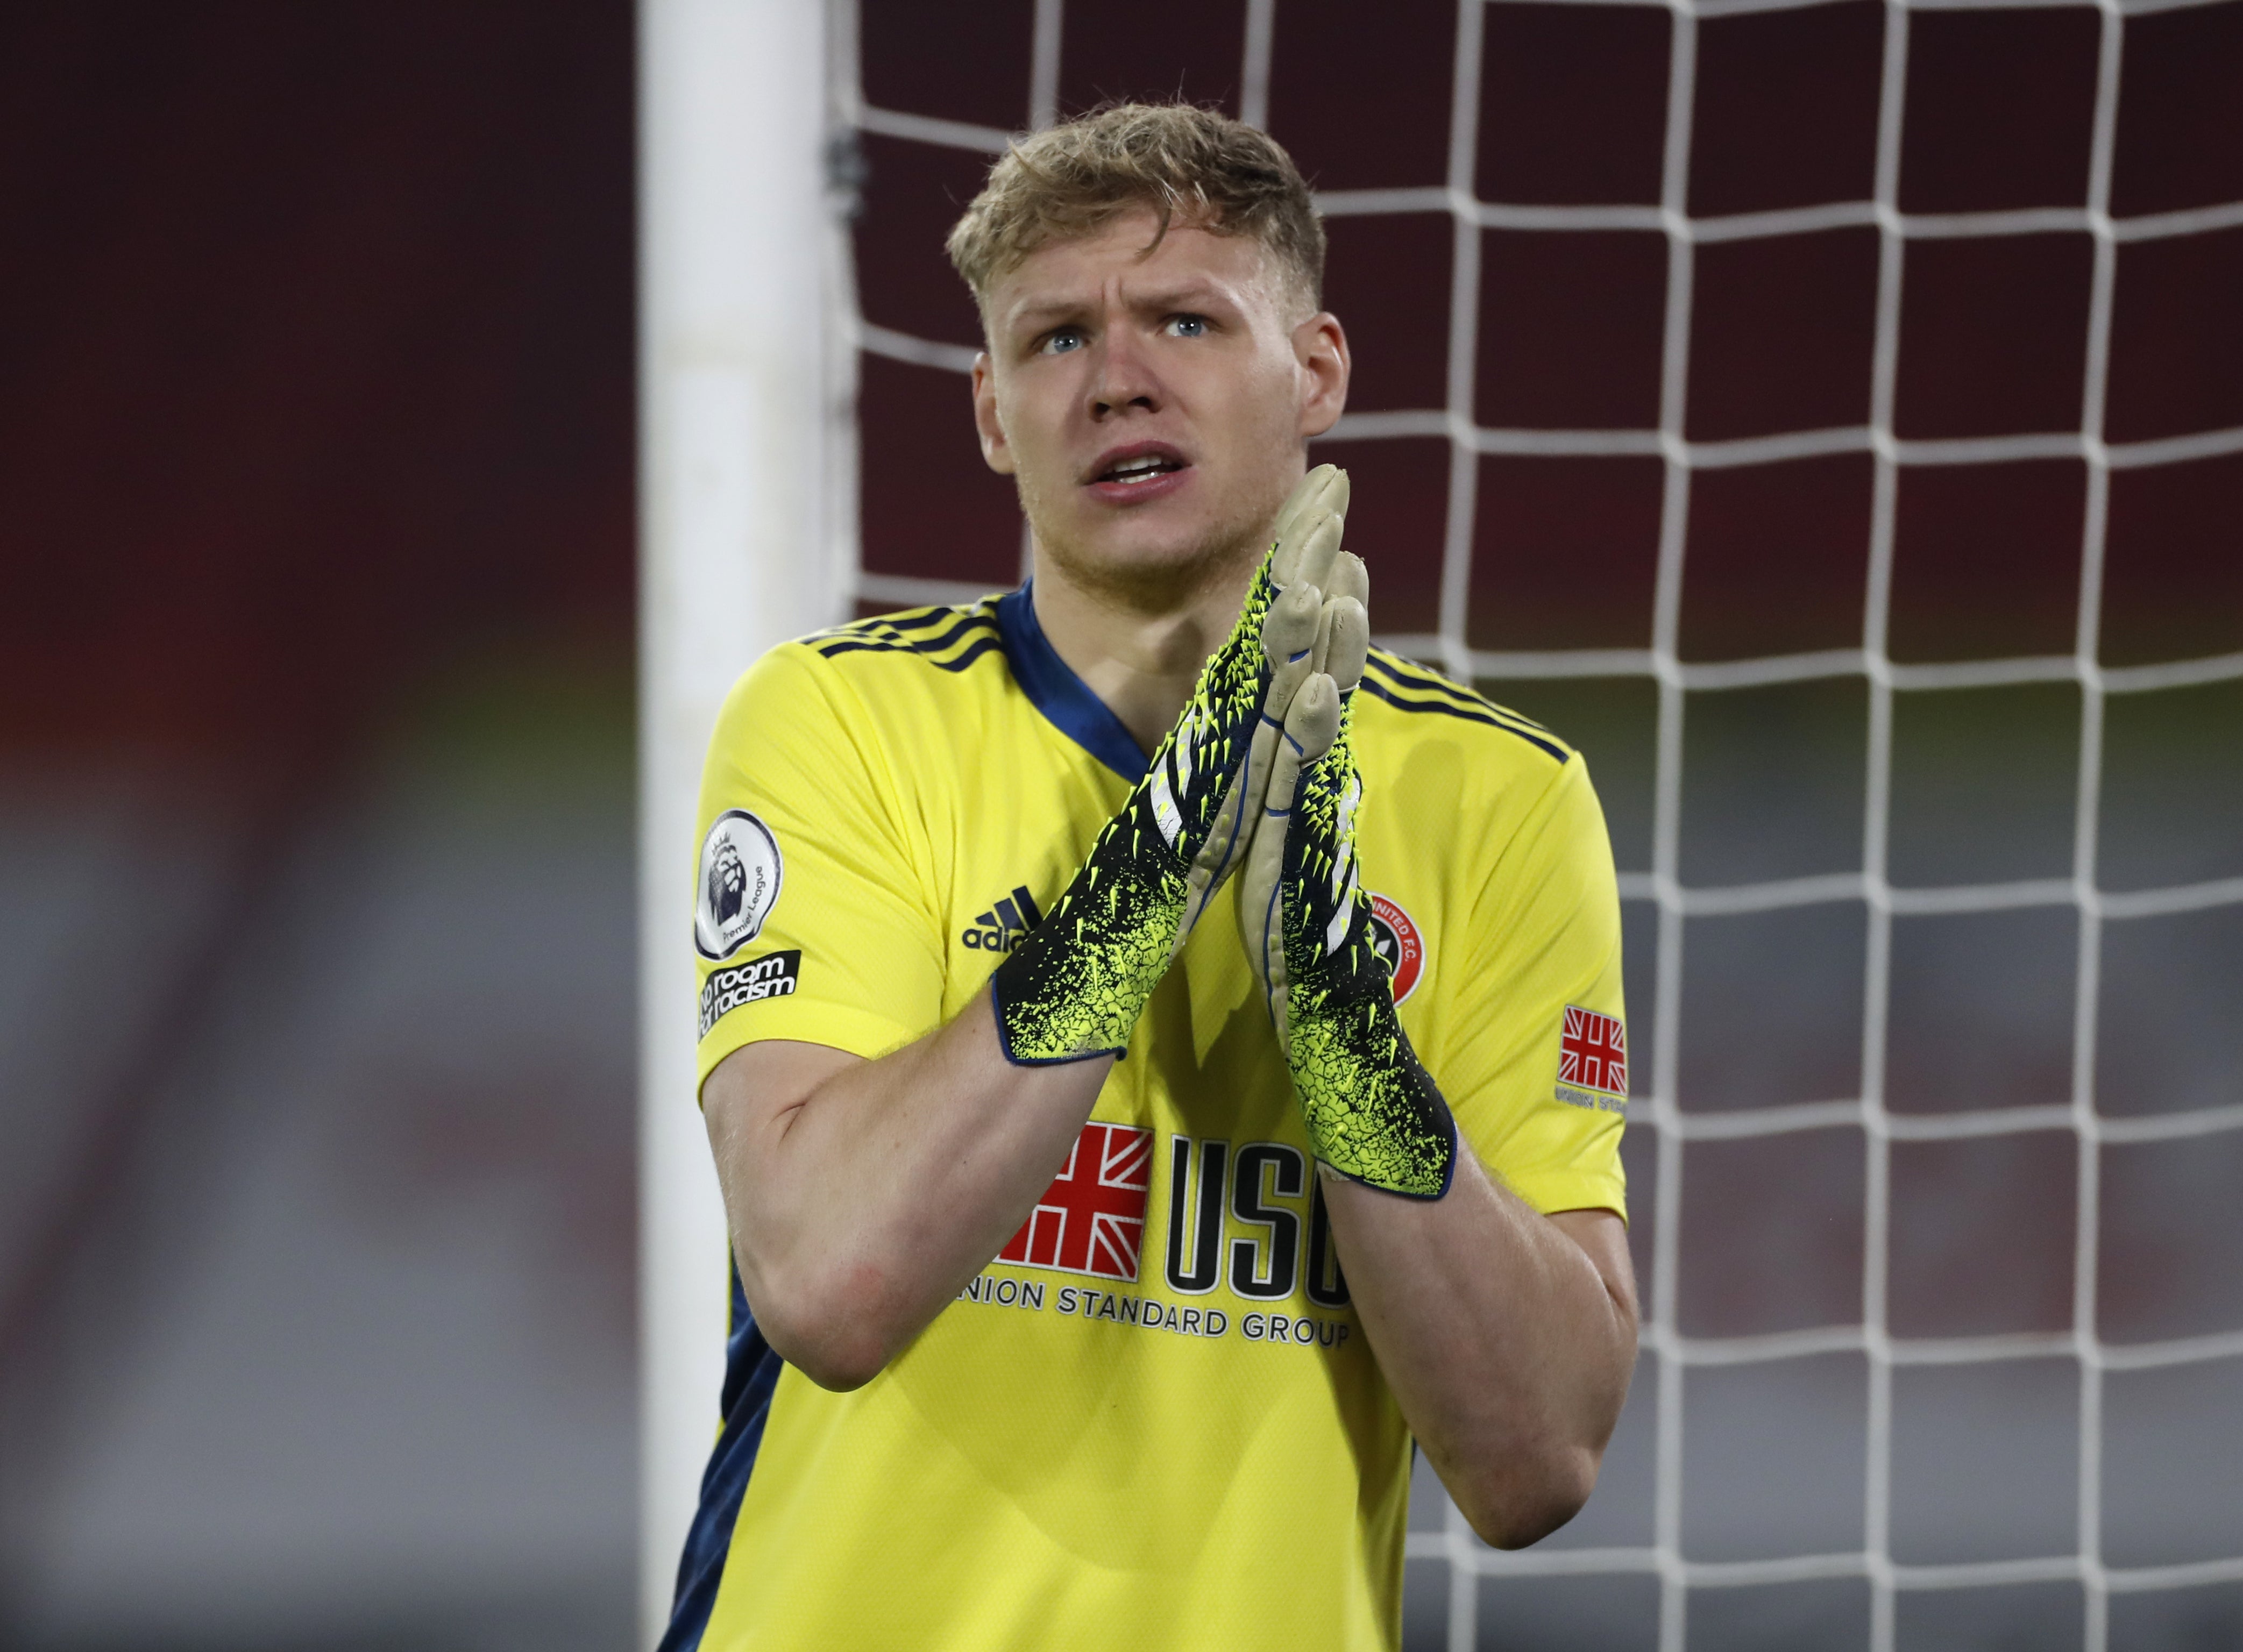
{"points": [[1320, 350], [996, 452]]}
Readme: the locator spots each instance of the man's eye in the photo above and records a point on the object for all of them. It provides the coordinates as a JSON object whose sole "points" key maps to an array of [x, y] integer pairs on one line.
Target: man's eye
{"points": [[1187, 327], [1066, 339]]}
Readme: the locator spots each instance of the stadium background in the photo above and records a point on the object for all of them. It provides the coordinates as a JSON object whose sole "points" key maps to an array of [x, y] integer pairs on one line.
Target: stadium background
{"points": [[314, 714]]}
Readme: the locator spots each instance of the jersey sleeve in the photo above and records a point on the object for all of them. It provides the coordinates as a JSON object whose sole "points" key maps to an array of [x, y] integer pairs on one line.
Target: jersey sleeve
{"points": [[811, 916], [1538, 1077]]}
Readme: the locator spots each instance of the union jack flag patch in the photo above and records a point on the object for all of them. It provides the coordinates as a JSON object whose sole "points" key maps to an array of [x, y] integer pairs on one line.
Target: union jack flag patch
{"points": [[1592, 1060], [1091, 1219]]}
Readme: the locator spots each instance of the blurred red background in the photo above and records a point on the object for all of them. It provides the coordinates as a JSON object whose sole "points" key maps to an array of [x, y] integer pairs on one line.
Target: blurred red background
{"points": [[317, 358]]}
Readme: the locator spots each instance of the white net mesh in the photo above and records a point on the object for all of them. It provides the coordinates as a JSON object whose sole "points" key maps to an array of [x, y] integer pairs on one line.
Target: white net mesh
{"points": [[1444, 1554]]}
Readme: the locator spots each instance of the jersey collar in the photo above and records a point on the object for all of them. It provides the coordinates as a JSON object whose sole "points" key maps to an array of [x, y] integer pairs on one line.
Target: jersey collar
{"points": [[1063, 697]]}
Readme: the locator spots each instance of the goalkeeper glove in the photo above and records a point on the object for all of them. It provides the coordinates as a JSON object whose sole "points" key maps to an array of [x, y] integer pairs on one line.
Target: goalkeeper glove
{"points": [[1372, 1111], [1073, 987]]}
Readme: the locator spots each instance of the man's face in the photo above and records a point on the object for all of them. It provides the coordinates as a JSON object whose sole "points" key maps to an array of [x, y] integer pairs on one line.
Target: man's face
{"points": [[1154, 407]]}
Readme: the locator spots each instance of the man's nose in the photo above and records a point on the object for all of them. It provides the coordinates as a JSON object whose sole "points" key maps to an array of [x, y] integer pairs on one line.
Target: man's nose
{"points": [[1125, 379]]}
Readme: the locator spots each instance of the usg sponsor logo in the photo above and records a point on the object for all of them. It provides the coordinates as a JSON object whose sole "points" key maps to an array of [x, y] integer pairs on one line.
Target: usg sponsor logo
{"points": [[1000, 929], [772, 975], [1399, 945], [1271, 1247], [1091, 1219], [740, 874]]}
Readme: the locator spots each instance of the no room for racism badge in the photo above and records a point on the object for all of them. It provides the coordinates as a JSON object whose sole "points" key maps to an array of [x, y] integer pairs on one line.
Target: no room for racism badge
{"points": [[1399, 944]]}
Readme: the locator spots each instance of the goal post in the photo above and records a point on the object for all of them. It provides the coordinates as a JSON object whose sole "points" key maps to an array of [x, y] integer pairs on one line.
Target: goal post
{"points": [[736, 403]]}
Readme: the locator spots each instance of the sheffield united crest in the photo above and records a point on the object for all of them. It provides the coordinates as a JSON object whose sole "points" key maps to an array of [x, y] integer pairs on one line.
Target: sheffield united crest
{"points": [[1399, 945]]}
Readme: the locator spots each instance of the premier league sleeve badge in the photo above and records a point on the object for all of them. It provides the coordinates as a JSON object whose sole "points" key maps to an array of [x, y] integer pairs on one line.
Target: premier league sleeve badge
{"points": [[741, 871]]}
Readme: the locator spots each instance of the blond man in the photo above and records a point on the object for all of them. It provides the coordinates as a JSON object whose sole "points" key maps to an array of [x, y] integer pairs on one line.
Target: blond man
{"points": [[1163, 1056]]}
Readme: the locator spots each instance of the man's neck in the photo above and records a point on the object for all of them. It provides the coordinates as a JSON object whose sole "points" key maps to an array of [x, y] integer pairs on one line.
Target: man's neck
{"points": [[1140, 654]]}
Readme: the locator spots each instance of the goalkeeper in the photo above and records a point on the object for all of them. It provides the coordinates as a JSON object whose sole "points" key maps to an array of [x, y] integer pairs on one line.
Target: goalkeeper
{"points": [[1161, 1054]]}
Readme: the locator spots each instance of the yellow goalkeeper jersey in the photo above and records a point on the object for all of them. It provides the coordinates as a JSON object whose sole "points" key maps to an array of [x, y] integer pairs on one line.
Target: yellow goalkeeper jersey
{"points": [[1152, 1420]]}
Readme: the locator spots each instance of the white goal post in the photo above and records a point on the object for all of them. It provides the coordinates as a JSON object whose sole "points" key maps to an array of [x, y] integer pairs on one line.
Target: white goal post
{"points": [[736, 402]]}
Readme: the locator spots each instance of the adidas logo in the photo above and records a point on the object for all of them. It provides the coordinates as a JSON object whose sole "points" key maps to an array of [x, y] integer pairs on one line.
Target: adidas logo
{"points": [[1000, 929]]}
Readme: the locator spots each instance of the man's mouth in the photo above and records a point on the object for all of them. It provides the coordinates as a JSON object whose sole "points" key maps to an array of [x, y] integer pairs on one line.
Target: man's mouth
{"points": [[1137, 469]]}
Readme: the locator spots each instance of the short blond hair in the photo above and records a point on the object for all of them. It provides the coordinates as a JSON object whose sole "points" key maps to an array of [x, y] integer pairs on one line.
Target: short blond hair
{"points": [[1188, 164]]}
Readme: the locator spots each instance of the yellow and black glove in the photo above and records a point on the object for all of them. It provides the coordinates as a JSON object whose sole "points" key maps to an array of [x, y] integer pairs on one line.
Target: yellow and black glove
{"points": [[1073, 989], [1372, 1111]]}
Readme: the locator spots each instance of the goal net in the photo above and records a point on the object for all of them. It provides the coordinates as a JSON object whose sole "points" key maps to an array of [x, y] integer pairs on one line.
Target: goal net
{"points": [[1831, 418]]}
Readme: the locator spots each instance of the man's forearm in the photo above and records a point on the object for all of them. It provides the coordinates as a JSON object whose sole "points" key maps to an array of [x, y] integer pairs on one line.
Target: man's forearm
{"points": [[862, 1195], [1508, 1338]]}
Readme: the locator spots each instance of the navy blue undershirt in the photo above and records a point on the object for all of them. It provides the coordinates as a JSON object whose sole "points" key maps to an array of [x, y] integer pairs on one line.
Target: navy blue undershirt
{"points": [[1064, 698]]}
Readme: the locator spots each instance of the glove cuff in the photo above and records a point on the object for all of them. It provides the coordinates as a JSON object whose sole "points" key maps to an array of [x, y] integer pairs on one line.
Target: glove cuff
{"points": [[1073, 987], [1373, 1112]]}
